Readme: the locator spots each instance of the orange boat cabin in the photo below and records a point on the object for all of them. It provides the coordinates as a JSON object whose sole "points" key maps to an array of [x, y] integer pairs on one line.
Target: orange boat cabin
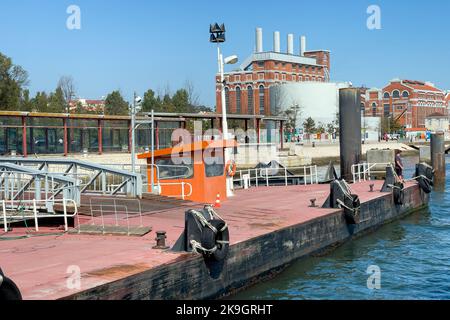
{"points": [[194, 172]]}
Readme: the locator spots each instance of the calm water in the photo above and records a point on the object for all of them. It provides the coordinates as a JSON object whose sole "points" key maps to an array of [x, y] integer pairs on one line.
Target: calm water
{"points": [[413, 255]]}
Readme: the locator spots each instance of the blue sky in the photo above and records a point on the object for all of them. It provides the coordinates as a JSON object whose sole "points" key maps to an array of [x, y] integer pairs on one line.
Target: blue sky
{"points": [[136, 45]]}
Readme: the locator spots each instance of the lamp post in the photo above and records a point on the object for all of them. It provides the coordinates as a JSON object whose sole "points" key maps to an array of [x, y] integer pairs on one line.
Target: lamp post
{"points": [[135, 107], [217, 35]]}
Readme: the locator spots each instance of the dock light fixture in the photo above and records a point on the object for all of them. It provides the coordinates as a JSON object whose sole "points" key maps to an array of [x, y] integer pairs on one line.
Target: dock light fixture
{"points": [[217, 35], [231, 59]]}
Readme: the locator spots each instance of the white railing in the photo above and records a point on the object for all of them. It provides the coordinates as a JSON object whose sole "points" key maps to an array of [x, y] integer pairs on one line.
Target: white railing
{"points": [[183, 185], [364, 171], [28, 209], [254, 176]]}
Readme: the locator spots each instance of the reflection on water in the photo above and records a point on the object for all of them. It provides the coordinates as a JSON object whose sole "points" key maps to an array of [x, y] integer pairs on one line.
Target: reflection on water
{"points": [[413, 255]]}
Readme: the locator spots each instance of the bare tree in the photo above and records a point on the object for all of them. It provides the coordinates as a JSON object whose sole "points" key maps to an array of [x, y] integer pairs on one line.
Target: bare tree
{"points": [[67, 86], [193, 96], [277, 100]]}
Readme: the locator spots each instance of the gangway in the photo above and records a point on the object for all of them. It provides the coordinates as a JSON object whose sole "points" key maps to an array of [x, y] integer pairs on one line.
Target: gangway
{"points": [[24, 183], [92, 177]]}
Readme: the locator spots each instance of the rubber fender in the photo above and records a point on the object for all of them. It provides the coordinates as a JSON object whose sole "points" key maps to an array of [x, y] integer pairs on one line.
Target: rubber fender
{"points": [[209, 240], [399, 193], [8, 289], [424, 184], [352, 212]]}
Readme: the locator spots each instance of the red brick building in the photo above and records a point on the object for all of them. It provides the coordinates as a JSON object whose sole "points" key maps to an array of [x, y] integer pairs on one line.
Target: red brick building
{"points": [[447, 99], [406, 100], [247, 89]]}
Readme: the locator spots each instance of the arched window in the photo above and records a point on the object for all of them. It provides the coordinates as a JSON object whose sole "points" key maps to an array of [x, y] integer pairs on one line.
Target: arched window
{"points": [[261, 100], [374, 109], [395, 94], [405, 94], [238, 100], [386, 95], [250, 105]]}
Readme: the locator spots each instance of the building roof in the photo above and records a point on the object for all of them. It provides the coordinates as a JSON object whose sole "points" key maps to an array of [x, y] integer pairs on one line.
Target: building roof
{"points": [[277, 56], [196, 146], [419, 85]]}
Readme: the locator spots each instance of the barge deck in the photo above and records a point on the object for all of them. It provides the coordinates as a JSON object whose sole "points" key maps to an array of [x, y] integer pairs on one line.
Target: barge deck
{"points": [[267, 232]]}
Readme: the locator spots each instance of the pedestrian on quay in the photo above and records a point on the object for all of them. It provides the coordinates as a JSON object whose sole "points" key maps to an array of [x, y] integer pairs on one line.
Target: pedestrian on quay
{"points": [[399, 165]]}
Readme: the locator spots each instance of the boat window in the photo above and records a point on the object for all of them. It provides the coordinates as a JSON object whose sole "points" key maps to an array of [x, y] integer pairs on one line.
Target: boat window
{"points": [[169, 170], [214, 165]]}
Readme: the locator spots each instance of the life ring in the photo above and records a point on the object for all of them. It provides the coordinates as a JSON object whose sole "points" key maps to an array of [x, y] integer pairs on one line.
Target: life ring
{"points": [[231, 168], [8, 289], [399, 193], [216, 242]]}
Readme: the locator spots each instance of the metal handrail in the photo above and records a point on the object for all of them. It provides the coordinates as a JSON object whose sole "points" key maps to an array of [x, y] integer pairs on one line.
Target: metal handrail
{"points": [[33, 204], [309, 172], [183, 195], [367, 170]]}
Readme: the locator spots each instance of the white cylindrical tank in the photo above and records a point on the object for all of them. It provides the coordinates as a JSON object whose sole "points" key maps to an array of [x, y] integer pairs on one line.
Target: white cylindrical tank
{"points": [[302, 45], [290, 43], [276, 41], [259, 40]]}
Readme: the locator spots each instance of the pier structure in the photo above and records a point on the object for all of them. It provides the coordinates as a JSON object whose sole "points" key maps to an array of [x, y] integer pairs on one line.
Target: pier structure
{"points": [[437, 148], [267, 233], [350, 130], [35, 133]]}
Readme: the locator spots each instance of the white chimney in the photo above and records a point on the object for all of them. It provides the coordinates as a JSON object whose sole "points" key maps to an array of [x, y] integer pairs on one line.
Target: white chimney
{"points": [[290, 43], [276, 41], [259, 40], [302, 45]]}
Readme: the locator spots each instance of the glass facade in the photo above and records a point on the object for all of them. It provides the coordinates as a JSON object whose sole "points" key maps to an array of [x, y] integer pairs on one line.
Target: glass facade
{"points": [[46, 135]]}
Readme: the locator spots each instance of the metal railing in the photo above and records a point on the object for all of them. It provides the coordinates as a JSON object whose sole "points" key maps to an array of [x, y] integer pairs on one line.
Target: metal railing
{"points": [[113, 211], [264, 176], [98, 176], [24, 183], [182, 185], [20, 210], [364, 171]]}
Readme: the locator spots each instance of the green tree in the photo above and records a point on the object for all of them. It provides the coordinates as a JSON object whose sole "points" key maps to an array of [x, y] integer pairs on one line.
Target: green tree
{"points": [[115, 104], [26, 104], [56, 103], [390, 125], [12, 81], [320, 128], [309, 125], [151, 102], [167, 105], [180, 101], [293, 113], [39, 102]]}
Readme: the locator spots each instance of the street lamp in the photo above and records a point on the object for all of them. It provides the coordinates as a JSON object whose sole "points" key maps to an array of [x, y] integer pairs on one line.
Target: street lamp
{"points": [[135, 108], [217, 35]]}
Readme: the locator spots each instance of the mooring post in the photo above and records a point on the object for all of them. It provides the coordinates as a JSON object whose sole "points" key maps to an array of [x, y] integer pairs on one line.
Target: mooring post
{"points": [[437, 146], [350, 130]]}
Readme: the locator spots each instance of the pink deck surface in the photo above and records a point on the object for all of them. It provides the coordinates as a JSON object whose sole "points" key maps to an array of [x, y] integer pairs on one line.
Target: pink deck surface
{"points": [[40, 266]]}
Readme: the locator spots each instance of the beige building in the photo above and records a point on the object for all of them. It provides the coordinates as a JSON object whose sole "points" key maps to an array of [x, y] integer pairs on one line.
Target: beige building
{"points": [[437, 122]]}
